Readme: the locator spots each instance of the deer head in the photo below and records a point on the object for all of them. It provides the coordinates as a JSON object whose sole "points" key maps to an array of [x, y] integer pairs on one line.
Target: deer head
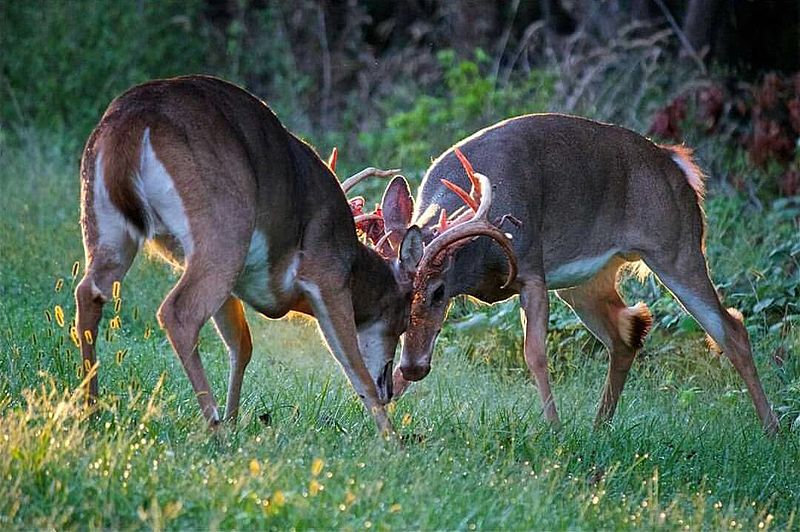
{"points": [[378, 339], [429, 292], [421, 270]]}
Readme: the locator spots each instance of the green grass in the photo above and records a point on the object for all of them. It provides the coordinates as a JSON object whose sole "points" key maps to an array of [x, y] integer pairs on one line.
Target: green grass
{"points": [[685, 448]]}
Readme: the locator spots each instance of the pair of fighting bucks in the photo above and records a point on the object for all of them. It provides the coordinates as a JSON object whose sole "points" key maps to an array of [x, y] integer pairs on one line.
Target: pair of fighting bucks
{"points": [[250, 213]]}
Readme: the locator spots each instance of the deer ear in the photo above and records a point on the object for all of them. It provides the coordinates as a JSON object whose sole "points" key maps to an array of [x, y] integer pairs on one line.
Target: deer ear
{"points": [[411, 249], [397, 207]]}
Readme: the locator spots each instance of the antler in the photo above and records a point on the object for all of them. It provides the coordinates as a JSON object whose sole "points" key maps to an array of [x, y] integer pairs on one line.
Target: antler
{"points": [[355, 179], [469, 225], [333, 158], [367, 217], [370, 224]]}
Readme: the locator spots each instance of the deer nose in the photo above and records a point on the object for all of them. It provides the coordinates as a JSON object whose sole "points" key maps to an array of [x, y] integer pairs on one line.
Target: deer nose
{"points": [[414, 372]]}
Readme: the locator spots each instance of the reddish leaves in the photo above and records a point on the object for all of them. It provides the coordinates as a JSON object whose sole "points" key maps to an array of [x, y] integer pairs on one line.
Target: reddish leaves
{"points": [[667, 121], [763, 118]]}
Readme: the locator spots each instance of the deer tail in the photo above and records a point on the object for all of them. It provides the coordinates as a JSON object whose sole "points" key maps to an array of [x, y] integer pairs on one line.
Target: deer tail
{"points": [[682, 156]]}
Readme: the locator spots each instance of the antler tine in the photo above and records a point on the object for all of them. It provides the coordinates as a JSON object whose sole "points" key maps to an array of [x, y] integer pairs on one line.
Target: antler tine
{"points": [[333, 158], [478, 225], [355, 179], [461, 193], [384, 240], [366, 217], [474, 181]]}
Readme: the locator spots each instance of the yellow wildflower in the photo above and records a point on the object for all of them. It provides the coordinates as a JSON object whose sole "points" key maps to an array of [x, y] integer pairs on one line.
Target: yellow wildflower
{"points": [[59, 313], [316, 466], [278, 498]]}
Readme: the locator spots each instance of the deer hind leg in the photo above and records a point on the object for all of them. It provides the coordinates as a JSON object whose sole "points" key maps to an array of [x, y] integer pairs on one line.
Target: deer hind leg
{"points": [[620, 328], [202, 290], [535, 309], [232, 327], [106, 264], [687, 278]]}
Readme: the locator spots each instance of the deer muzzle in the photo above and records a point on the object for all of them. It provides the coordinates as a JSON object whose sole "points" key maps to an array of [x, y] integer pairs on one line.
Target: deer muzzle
{"points": [[415, 372]]}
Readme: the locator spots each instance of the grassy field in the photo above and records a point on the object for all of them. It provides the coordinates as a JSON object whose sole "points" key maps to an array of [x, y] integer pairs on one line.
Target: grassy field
{"points": [[684, 451]]}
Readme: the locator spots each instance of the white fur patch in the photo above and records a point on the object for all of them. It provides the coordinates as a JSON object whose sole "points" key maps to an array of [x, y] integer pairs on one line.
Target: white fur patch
{"points": [[578, 271], [372, 347], [253, 284], [322, 315], [290, 275], [692, 172], [162, 201], [113, 229]]}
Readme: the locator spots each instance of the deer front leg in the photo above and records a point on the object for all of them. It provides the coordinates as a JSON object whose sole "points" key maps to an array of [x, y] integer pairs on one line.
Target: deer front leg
{"points": [[333, 308], [535, 310]]}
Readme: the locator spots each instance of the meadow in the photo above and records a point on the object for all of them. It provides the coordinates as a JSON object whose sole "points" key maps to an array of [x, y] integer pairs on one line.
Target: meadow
{"points": [[685, 449]]}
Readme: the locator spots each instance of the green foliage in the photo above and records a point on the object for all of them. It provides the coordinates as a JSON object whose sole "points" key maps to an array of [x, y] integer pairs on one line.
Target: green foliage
{"points": [[469, 99], [477, 451]]}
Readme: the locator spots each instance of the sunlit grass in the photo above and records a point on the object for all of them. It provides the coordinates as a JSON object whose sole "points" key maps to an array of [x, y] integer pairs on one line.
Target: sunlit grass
{"points": [[685, 449]]}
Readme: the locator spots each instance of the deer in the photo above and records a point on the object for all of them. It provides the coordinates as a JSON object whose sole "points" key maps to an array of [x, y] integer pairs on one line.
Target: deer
{"points": [[587, 199], [206, 174]]}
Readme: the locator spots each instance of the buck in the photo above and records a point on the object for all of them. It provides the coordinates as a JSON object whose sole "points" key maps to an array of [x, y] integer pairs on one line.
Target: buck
{"points": [[207, 174], [589, 199]]}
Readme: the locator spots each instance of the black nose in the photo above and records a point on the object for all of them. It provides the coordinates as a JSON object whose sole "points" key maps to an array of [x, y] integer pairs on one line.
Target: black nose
{"points": [[415, 372]]}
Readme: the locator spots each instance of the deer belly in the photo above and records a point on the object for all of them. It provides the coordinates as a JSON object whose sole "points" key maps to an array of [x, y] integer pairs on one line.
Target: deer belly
{"points": [[255, 285], [577, 271]]}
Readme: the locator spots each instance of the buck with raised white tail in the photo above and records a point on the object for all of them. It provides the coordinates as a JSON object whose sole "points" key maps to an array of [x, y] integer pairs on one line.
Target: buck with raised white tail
{"points": [[207, 173], [589, 198]]}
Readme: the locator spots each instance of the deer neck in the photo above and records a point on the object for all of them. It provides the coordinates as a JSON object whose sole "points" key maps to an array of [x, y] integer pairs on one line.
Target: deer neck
{"points": [[371, 279]]}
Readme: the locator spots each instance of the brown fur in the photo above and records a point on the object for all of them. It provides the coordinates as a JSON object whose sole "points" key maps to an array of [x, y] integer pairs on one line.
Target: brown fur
{"points": [[639, 322], [696, 177], [712, 344], [121, 155], [583, 191]]}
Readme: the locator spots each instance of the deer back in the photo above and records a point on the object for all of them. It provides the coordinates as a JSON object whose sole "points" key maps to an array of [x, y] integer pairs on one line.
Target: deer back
{"points": [[581, 189]]}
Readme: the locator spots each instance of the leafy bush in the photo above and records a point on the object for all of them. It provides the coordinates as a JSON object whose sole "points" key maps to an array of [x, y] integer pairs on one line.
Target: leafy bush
{"points": [[468, 100]]}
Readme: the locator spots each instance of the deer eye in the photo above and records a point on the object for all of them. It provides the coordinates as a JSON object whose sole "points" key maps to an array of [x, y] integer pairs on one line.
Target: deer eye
{"points": [[438, 295]]}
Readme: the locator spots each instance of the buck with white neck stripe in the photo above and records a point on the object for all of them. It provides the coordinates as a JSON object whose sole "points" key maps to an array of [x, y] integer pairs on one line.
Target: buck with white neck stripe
{"points": [[206, 173]]}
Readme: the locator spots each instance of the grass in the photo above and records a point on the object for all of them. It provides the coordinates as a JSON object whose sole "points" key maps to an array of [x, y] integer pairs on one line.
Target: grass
{"points": [[685, 448]]}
